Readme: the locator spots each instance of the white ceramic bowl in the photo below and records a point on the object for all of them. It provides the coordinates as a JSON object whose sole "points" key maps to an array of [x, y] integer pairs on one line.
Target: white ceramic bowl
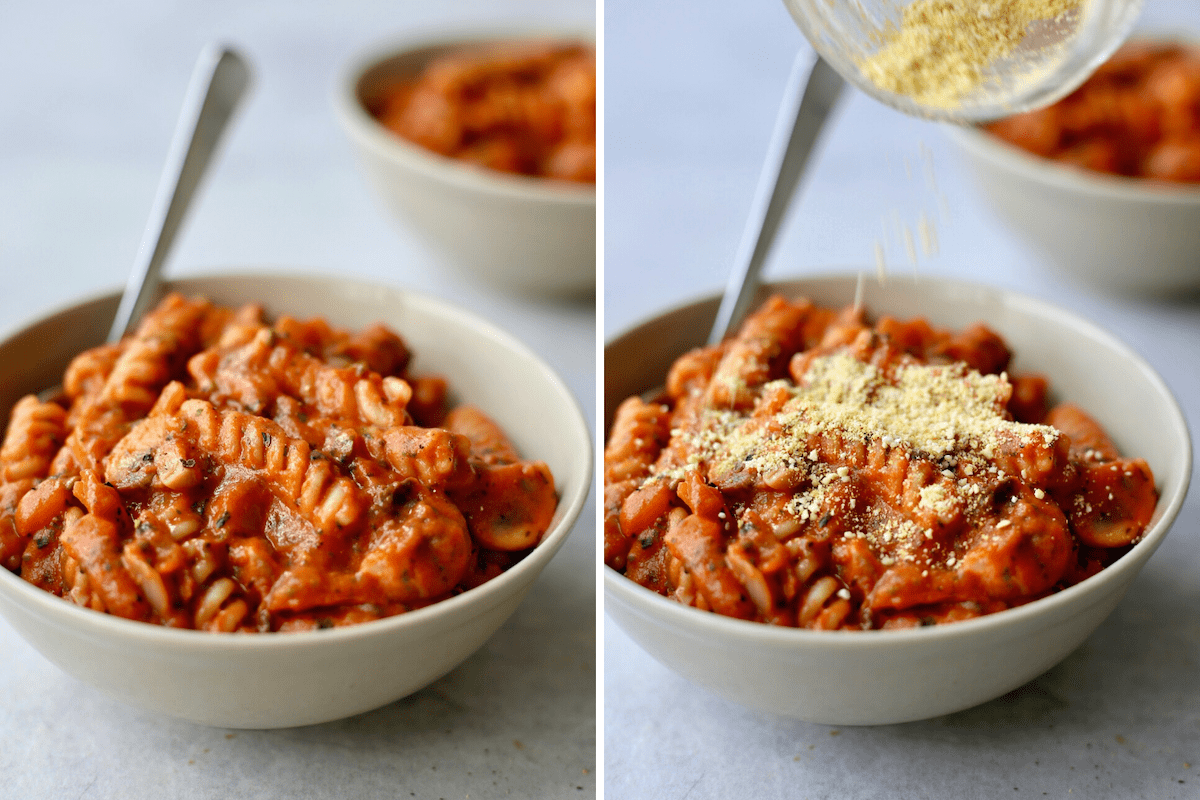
{"points": [[878, 677], [285, 679], [1114, 233], [531, 235]]}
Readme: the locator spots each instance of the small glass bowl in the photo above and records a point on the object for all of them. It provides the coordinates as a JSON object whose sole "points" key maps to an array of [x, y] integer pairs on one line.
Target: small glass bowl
{"points": [[1051, 61]]}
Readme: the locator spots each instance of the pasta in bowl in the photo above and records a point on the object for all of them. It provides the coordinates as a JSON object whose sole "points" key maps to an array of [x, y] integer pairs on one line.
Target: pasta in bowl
{"points": [[817, 523], [216, 472]]}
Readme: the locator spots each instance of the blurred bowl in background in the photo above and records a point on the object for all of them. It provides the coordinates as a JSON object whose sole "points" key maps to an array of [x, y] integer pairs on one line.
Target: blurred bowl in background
{"points": [[1106, 182], [272, 680], [529, 235], [1114, 233]]}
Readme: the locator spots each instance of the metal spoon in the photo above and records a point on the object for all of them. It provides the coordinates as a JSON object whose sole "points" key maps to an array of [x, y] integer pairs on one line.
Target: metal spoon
{"points": [[219, 81], [812, 91]]}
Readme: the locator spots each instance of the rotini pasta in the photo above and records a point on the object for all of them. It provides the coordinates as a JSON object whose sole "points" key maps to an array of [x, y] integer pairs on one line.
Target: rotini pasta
{"points": [[218, 472], [820, 471]]}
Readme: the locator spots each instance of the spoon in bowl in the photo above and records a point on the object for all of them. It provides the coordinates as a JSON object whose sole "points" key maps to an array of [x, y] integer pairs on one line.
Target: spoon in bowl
{"points": [[812, 92], [219, 81]]}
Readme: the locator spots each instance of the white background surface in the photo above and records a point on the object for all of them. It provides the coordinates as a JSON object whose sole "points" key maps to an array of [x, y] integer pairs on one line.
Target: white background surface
{"points": [[90, 93], [690, 104]]}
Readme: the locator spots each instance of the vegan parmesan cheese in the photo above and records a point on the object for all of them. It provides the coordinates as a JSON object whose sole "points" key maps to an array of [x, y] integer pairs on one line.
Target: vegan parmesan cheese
{"points": [[944, 50]]}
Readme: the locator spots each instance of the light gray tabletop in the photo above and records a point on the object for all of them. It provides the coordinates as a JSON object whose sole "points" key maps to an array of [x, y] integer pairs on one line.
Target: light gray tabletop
{"points": [[691, 97], [90, 95]]}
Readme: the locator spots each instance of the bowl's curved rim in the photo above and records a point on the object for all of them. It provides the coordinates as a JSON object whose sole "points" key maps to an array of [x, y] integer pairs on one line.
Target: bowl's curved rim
{"points": [[1123, 569], [357, 121], [47, 605]]}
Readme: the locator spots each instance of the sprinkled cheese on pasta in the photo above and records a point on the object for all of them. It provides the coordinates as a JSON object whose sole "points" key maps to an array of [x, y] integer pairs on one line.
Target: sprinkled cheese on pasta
{"points": [[936, 411], [823, 472]]}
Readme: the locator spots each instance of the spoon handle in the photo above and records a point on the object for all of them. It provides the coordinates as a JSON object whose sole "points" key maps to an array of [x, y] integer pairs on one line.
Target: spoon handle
{"points": [[811, 94], [218, 82]]}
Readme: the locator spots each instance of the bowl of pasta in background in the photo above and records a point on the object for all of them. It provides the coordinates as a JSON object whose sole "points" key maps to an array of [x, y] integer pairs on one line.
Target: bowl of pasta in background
{"points": [[1114, 232], [890, 676], [528, 234], [268, 680]]}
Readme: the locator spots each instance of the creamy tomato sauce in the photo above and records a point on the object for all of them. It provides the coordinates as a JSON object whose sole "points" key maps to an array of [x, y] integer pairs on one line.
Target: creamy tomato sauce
{"points": [[821, 471], [217, 471]]}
